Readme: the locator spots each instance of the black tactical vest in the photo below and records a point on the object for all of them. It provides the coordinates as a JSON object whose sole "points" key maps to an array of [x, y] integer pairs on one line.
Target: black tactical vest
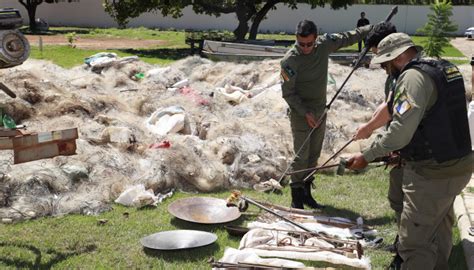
{"points": [[443, 133], [391, 94]]}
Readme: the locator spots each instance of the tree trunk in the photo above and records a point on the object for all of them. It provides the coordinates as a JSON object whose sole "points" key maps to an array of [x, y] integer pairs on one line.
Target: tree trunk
{"points": [[32, 17], [259, 18], [31, 6], [243, 27], [241, 30], [254, 29]]}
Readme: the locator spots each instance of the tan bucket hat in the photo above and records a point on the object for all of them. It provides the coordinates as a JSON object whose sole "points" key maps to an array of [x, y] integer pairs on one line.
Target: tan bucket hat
{"points": [[392, 46]]}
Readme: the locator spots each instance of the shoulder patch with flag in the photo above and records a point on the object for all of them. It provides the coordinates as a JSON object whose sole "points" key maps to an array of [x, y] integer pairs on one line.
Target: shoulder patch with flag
{"points": [[287, 73], [402, 104], [332, 37]]}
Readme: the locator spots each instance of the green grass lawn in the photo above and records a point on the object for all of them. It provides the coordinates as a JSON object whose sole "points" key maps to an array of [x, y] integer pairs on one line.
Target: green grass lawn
{"points": [[173, 38], [78, 242], [174, 49], [68, 57]]}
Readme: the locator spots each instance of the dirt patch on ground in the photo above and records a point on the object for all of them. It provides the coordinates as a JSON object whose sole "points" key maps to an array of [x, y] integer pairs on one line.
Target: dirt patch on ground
{"points": [[465, 45], [97, 43]]}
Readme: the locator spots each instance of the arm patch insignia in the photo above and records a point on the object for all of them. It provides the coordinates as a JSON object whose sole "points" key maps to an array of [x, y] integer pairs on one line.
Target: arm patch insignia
{"points": [[402, 103], [284, 76], [452, 73], [287, 73], [403, 106], [332, 37]]}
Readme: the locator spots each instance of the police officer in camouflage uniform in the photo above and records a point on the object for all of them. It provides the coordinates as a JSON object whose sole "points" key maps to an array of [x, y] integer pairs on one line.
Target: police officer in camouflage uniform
{"points": [[382, 117], [430, 129], [304, 72]]}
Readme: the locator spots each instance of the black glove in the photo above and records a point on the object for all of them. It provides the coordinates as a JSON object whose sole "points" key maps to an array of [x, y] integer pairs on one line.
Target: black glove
{"points": [[472, 61], [379, 32]]}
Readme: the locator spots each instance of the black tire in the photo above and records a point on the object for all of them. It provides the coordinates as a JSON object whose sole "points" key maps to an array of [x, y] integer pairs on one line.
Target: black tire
{"points": [[14, 48]]}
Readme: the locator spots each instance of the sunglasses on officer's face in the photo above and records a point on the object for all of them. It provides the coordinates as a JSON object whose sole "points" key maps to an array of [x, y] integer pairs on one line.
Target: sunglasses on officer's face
{"points": [[307, 44]]}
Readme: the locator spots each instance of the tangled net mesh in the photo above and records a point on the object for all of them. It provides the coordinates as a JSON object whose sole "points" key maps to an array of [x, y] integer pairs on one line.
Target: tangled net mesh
{"points": [[225, 145]]}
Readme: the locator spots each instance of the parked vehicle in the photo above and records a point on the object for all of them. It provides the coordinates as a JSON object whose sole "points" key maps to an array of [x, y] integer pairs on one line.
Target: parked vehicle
{"points": [[14, 47], [469, 34]]}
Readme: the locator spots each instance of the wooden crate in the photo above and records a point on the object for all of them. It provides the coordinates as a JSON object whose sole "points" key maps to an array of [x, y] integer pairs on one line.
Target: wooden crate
{"points": [[35, 146]]}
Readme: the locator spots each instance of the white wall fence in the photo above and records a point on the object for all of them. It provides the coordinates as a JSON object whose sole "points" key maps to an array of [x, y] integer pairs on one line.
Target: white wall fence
{"points": [[90, 13]]}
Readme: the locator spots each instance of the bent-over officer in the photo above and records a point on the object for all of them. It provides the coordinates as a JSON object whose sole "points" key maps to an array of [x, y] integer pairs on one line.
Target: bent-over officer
{"points": [[430, 130]]}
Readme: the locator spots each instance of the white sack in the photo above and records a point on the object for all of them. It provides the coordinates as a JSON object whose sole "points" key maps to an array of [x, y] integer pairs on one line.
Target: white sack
{"points": [[166, 121], [232, 255], [137, 196], [233, 94]]}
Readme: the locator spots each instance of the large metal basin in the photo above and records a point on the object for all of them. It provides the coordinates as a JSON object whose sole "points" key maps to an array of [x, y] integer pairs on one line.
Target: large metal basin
{"points": [[178, 239], [203, 210]]}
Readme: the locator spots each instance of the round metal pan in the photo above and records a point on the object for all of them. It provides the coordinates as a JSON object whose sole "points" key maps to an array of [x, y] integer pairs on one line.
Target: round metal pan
{"points": [[203, 210], [178, 239]]}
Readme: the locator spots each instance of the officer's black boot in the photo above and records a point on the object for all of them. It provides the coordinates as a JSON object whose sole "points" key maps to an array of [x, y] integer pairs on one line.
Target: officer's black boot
{"points": [[396, 263], [393, 247], [308, 198], [297, 196]]}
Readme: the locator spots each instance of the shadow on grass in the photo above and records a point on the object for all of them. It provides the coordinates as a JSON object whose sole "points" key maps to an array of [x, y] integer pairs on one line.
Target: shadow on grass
{"points": [[185, 225], [162, 53], [341, 212], [457, 259], [56, 256], [146, 208], [54, 32], [380, 221]]}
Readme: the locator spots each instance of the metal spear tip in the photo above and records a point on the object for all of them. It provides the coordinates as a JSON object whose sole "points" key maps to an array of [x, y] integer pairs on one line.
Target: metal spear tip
{"points": [[395, 10]]}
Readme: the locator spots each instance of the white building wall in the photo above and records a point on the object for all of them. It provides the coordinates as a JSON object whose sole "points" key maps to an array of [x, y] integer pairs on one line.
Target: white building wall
{"points": [[90, 13]]}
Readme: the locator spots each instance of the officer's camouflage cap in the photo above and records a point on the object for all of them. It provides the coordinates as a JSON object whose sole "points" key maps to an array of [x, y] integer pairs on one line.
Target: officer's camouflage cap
{"points": [[392, 46]]}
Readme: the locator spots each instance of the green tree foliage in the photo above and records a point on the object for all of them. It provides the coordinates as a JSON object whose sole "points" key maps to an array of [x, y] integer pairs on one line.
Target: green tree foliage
{"points": [[413, 2], [124, 10], [438, 28], [32, 5], [247, 11]]}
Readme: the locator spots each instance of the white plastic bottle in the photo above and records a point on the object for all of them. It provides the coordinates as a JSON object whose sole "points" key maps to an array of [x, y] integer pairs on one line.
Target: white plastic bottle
{"points": [[470, 113], [470, 116]]}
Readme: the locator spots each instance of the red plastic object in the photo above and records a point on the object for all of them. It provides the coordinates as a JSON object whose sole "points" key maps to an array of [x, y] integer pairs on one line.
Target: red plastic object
{"points": [[194, 96], [163, 144]]}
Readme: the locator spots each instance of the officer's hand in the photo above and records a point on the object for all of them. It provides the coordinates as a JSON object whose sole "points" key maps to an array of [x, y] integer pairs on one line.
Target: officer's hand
{"points": [[379, 32], [357, 162], [394, 158], [310, 119], [363, 132]]}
